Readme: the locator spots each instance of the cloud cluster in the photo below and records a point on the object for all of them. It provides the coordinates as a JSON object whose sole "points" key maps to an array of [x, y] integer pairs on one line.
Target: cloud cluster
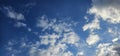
{"points": [[59, 35], [61, 38], [58, 41], [107, 49], [108, 10], [104, 11]]}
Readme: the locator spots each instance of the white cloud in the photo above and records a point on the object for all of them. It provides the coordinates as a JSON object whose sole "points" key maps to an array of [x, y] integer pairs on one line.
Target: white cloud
{"points": [[114, 32], [67, 54], [14, 15], [102, 49], [32, 51], [108, 10], [92, 26], [115, 39], [44, 23], [49, 39], [57, 50], [71, 38], [45, 40], [20, 24], [106, 49], [110, 30], [86, 18], [80, 53], [92, 39]]}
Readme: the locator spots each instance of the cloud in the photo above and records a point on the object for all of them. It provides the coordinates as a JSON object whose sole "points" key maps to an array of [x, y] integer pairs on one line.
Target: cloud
{"points": [[71, 38], [43, 23], [13, 14], [114, 32], [80, 53], [49, 39], [92, 25], [57, 50], [108, 10], [115, 39], [67, 54], [107, 49], [57, 26], [20, 24], [92, 39], [102, 49]]}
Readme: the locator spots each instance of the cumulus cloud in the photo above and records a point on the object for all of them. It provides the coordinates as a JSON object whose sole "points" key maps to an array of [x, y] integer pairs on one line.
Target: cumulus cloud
{"points": [[71, 38], [107, 49], [92, 25], [92, 39], [108, 10]]}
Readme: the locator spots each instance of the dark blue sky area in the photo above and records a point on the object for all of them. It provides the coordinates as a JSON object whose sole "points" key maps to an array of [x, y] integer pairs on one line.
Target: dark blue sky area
{"points": [[32, 9], [76, 9]]}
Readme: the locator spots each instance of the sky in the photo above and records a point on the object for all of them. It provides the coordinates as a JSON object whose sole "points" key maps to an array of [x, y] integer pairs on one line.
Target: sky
{"points": [[59, 28]]}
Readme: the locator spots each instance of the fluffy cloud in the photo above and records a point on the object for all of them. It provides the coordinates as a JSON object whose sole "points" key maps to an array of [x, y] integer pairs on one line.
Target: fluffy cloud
{"points": [[92, 39], [71, 38], [80, 53], [102, 49], [106, 49], [92, 26], [108, 10]]}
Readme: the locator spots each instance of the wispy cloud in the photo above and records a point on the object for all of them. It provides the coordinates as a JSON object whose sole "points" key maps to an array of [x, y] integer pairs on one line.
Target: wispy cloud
{"points": [[20, 24], [13, 14]]}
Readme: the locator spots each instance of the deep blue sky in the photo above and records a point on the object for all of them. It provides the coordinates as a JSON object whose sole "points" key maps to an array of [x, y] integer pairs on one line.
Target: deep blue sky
{"points": [[59, 9]]}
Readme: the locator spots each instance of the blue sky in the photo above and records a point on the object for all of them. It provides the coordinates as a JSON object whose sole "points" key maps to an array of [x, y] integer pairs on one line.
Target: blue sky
{"points": [[59, 28]]}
